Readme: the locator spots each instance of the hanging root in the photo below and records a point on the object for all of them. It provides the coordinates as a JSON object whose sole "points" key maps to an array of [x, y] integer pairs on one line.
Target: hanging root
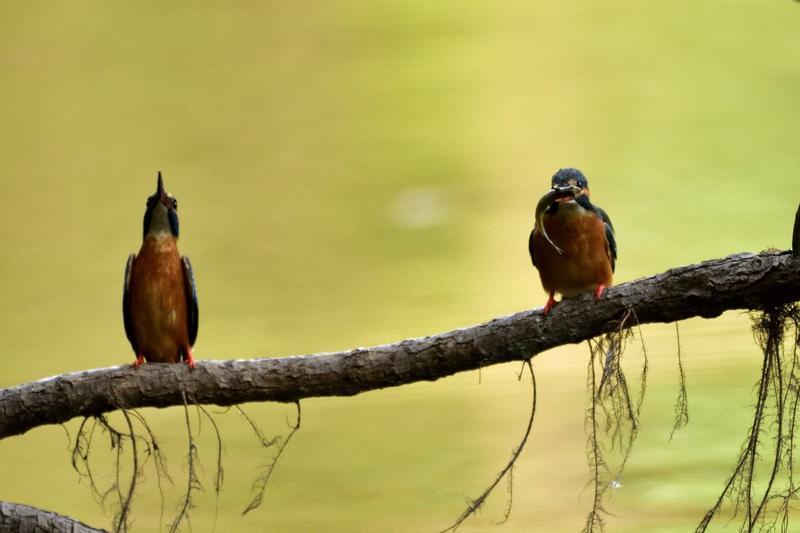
{"points": [[144, 446], [612, 410], [596, 462], [220, 472], [682, 402], [260, 484], [159, 460], [125, 504], [473, 505], [192, 481], [775, 418], [81, 451], [141, 449]]}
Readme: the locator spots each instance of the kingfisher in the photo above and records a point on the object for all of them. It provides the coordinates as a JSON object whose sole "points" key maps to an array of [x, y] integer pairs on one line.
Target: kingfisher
{"points": [[572, 243], [159, 299]]}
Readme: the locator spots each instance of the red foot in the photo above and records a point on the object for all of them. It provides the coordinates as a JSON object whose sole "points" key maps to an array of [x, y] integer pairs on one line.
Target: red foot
{"points": [[139, 361], [598, 291], [189, 359], [549, 305]]}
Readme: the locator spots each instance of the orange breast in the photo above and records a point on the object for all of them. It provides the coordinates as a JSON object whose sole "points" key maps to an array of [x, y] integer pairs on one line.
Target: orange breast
{"points": [[586, 261], [158, 301]]}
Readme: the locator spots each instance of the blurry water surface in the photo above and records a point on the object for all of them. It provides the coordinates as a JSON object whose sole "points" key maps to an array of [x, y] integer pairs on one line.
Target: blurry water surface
{"points": [[357, 173]]}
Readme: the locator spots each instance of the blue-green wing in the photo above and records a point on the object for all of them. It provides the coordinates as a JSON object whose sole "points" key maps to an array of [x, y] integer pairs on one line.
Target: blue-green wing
{"points": [[192, 314], [126, 302], [612, 240], [531, 249]]}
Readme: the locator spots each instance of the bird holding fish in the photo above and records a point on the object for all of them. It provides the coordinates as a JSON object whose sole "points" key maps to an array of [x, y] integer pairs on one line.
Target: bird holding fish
{"points": [[572, 244]]}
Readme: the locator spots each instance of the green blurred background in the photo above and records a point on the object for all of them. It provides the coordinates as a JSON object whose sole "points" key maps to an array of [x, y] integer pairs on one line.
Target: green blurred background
{"points": [[355, 173]]}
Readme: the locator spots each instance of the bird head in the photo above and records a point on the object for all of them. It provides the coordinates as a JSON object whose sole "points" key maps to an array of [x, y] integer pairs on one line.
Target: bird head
{"points": [[566, 177], [161, 215]]}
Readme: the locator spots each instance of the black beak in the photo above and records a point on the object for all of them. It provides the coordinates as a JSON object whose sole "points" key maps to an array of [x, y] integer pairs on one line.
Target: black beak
{"points": [[160, 185]]}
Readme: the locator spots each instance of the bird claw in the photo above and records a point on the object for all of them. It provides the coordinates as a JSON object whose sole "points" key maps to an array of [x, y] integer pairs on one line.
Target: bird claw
{"points": [[189, 360], [139, 361], [549, 305], [598, 291]]}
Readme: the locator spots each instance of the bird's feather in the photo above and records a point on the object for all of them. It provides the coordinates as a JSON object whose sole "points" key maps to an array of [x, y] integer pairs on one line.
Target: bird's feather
{"points": [[192, 312], [610, 238], [531, 248], [126, 302]]}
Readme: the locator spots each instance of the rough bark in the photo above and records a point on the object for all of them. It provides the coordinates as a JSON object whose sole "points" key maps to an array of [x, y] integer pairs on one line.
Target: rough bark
{"points": [[743, 281], [18, 518]]}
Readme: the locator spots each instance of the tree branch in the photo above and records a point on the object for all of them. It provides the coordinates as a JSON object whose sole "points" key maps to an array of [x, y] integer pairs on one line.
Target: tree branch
{"points": [[743, 281], [15, 517]]}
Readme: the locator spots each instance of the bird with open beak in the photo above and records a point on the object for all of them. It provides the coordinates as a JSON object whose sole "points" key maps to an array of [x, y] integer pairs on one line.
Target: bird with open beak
{"points": [[159, 300], [572, 243]]}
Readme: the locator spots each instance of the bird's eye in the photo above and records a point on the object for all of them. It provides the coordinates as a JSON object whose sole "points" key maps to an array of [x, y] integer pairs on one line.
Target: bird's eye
{"points": [[174, 203]]}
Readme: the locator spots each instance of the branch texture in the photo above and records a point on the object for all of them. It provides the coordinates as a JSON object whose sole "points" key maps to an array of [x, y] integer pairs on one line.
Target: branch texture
{"points": [[743, 281], [18, 518]]}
